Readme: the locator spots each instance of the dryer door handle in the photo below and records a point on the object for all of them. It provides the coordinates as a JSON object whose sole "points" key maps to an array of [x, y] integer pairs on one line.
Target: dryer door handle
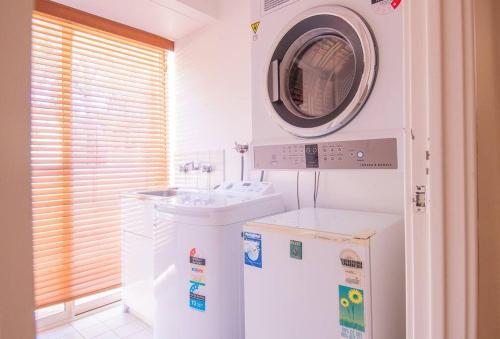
{"points": [[275, 80]]}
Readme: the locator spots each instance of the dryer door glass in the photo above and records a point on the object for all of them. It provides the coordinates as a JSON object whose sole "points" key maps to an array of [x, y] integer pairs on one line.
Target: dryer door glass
{"points": [[321, 73], [320, 77]]}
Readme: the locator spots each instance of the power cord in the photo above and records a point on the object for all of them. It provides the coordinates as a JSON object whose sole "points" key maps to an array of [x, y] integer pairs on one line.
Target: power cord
{"points": [[298, 193], [316, 187]]}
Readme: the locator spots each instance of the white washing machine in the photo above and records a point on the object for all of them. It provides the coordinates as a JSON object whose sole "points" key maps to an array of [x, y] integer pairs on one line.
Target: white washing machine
{"points": [[329, 74], [198, 259]]}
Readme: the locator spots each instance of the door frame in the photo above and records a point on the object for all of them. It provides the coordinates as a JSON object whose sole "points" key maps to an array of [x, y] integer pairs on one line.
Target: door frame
{"points": [[441, 237]]}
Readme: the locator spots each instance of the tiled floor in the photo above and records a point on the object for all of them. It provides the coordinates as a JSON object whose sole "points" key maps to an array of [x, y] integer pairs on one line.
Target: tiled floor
{"points": [[109, 324]]}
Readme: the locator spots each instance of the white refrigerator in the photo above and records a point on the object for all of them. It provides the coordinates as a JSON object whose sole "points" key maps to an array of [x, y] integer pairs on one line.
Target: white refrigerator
{"points": [[325, 274]]}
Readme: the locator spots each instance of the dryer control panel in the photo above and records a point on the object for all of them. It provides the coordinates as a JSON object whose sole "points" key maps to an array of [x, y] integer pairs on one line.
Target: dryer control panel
{"points": [[353, 154]]}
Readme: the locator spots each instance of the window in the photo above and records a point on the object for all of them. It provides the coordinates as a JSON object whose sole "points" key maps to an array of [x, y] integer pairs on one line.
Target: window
{"points": [[99, 128]]}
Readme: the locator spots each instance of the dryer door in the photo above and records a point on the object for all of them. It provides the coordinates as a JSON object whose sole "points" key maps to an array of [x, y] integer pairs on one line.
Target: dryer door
{"points": [[322, 72]]}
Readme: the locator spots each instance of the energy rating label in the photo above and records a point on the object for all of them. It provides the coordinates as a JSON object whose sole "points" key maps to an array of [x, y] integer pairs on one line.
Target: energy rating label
{"points": [[197, 283]]}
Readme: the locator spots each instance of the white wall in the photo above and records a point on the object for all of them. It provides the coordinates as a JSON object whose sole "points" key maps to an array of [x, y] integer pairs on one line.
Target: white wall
{"points": [[213, 110], [16, 277], [212, 85], [206, 6]]}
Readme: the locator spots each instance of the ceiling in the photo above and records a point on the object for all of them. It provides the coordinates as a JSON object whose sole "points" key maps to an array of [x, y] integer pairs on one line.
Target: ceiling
{"points": [[170, 19]]}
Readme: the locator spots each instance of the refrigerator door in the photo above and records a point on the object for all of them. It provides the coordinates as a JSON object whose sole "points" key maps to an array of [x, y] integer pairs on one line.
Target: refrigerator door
{"points": [[298, 285]]}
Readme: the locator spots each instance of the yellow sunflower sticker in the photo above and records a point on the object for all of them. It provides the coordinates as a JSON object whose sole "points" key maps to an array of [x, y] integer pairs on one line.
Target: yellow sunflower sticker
{"points": [[352, 308], [355, 296], [344, 302]]}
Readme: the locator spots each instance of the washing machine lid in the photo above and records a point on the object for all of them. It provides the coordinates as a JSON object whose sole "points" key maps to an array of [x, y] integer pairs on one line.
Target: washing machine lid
{"points": [[217, 208], [192, 201], [322, 72], [344, 223]]}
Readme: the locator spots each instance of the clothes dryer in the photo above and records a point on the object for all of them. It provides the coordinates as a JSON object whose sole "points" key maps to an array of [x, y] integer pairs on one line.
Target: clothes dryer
{"points": [[328, 71]]}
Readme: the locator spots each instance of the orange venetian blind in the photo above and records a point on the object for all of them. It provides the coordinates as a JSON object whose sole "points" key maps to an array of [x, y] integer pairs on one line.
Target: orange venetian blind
{"points": [[99, 128]]}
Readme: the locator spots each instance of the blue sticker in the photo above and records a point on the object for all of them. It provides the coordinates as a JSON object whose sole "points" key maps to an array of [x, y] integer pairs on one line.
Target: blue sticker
{"points": [[196, 296], [253, 249]]}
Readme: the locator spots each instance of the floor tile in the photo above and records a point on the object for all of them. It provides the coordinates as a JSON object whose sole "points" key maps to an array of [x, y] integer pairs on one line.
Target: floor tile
{"points": [[146, 334], [108, 335], [43, 335], [93, 330], [119, 321], [66, 332], [109, 324], [85, 322], [74, 335], [110, 313], [130, 329]]}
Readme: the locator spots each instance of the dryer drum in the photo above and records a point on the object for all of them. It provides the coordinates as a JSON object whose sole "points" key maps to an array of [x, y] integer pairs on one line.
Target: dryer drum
{"points": [[322, 72]]}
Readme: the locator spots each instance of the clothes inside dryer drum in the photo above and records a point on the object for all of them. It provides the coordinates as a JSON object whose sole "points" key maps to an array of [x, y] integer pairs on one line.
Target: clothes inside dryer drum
{"points": [[321, 76]]}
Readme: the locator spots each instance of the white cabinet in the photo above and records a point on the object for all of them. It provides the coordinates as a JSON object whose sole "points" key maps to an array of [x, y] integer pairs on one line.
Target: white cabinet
{"points": [[323, 274], [138, 256]]}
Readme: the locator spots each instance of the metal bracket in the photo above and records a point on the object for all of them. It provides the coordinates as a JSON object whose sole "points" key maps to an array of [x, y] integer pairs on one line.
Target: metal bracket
{"points": [[420, 199]]}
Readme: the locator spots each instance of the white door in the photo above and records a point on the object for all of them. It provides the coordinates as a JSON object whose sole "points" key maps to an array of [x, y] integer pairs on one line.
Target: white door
{"points": [[440, 170]]}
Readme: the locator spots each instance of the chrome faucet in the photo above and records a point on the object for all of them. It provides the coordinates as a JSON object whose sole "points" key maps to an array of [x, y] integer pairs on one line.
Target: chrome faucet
{"points": [[204, 167], [187, 167]]}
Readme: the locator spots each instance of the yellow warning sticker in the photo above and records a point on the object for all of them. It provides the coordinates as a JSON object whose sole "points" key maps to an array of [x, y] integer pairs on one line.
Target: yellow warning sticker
{"points": [[255, 27]]}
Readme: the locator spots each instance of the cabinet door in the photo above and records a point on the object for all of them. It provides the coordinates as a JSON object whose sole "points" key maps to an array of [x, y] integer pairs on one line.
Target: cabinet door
{"points": [[137, 216], [137, 261]]}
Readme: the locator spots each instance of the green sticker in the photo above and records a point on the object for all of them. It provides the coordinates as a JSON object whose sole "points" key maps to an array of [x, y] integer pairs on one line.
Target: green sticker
{"points": [[296, 249], [352, 308]]}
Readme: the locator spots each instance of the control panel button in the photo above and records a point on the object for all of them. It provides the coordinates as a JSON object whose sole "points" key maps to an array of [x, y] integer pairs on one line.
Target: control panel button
{"points": [[334, 155], [312, 158]]}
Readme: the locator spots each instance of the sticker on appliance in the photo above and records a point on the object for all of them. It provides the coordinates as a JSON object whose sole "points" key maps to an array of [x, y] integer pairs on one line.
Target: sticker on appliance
{"points": [[296, 249], [253, 249], [351, 312], [385, 6], [197, 297], [349, 333], [198, 274], [353, 267], [255, 27], [194, 259]]}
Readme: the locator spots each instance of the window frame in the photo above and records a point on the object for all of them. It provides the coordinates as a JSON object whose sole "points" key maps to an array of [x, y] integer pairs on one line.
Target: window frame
{"points": [[72, 311]]}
